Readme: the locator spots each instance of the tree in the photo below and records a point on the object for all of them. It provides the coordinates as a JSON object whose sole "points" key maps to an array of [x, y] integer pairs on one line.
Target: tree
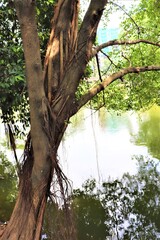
{"points": [[136, 92], [52, 95]]}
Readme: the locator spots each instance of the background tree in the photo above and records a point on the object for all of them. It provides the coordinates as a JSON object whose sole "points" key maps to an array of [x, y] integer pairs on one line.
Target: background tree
{"points": [[140, 91], [13, 100], [54, 225], [52, 89], [129, 205]]}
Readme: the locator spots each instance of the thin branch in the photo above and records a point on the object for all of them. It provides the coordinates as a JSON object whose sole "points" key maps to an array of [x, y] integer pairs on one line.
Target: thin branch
{"points": [[108, 80], [138, 28], [88, 29], [122, 42], [13, 146], [128, 60], [108, 58], [98, 67]]}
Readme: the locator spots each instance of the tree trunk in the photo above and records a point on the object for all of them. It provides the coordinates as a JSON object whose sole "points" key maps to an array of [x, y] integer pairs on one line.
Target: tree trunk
{"points": [[36, 175], [27, 217], [52, 102]]}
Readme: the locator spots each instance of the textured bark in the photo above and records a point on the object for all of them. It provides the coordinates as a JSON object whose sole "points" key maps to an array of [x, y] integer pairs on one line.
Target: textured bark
{"points": [[26, 220]]}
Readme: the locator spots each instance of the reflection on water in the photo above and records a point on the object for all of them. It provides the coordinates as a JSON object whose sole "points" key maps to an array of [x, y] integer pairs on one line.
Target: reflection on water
{"points": [[149, 131], [101, 144]]}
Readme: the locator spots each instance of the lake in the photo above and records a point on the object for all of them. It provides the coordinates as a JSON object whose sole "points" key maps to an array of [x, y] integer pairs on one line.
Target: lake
{"points": [[101, 144]]}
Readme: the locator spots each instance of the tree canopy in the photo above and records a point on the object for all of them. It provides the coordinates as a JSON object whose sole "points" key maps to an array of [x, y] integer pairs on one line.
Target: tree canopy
{"points": [[139, 23]]}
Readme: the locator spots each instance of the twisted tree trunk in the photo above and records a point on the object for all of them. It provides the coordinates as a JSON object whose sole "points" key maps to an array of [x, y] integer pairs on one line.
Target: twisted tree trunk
{"points": [[52, 102]]}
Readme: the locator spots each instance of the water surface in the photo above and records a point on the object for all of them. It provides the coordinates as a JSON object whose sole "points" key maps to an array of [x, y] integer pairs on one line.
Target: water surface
{"points": [[101, 144]]}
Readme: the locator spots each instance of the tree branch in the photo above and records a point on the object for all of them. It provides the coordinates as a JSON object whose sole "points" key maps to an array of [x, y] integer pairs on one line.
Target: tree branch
{"points": [[108, 80], [88, 29], [82, 54], [121, 42]]}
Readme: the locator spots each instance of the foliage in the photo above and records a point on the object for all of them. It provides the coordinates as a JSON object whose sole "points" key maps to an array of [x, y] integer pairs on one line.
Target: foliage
{"points": [[88, 223], [138, 91], [128, 207], [8, 187], [13, 91], [142, 89], [13, 97], [148, 203], [132, 203], [133, 199]]}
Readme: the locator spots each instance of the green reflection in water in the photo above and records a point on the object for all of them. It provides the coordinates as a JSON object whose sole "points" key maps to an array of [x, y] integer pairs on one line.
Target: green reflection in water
{"points": [[8, 187], [123, 209], [76, 123], [149, 131], [110, 121], [113, 121]]}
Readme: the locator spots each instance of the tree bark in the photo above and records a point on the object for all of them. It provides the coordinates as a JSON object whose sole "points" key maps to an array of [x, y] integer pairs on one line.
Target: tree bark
{"points": [[27, 217], [48, 115]]}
